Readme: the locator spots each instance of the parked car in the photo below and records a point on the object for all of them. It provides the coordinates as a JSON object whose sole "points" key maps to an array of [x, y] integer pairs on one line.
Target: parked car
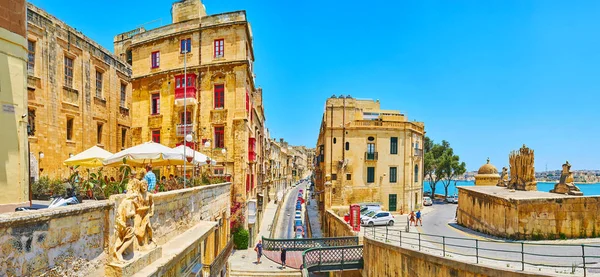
{"points": [[297, 222], [379, 218], [370, 208], [427, 201], [452, 199], [427, 193], [298, 215]]}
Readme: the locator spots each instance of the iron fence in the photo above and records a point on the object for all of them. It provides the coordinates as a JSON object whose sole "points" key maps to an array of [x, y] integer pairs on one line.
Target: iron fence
{"points": [[578, 259], [304, 244], [333, 258]]}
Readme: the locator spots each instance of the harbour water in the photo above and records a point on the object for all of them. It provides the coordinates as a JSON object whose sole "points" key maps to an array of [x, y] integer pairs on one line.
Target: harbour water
{"points": [[587, 189]]}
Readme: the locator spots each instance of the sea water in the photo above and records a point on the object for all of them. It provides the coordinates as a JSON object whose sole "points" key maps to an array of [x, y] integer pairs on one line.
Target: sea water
{"points": [[587, 189]]}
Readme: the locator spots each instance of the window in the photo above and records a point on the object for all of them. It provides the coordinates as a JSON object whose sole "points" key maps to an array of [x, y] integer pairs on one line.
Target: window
{"points": [[31, 122], [219, 48], [347, 146], [68, 72], [30, 57], [185, 118], [370, 148], [186, 45], [123, 94], [220, 137], [394, 145], [155, 59], [247, 101], [69, 128], [219, 96], [99, 133], [155, 103], [416, 173], [370, 175], [98, 84], [393, 174], [333, 177], [156, 136], [334, 140], [348, 176], [123, 137], [128, 56], [218, 171]]}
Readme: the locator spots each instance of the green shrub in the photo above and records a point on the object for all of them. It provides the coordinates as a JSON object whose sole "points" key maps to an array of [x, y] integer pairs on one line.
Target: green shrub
{"points": [[40, 187], [240, 238]]}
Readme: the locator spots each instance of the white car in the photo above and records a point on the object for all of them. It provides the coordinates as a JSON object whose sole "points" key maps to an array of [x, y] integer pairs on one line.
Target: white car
{"points": [[298, 215], [378, 218], [427, 201], [452, 199]]}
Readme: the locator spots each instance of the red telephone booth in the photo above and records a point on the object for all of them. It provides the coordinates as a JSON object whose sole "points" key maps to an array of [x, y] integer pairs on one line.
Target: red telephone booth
{"points": [[355, 217]]}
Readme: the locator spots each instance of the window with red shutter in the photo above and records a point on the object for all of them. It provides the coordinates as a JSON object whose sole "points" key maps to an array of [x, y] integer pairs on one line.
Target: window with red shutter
{"points": [[155, 59], [220, 137], [156, 136], [219, 50], [219, 96], [155, 105]]}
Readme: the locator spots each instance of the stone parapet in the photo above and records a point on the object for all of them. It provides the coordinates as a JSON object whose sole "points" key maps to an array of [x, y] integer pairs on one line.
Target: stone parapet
{"points": [[530, 215]]}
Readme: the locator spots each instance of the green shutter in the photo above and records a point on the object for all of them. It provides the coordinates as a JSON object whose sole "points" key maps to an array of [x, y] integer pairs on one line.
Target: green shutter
{"points": [[394, 145], [370, 175], [393, 202]]}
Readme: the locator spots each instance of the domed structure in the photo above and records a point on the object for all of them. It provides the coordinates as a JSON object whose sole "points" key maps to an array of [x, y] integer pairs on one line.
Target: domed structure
{"points": [[487, 168], [487, 175]]}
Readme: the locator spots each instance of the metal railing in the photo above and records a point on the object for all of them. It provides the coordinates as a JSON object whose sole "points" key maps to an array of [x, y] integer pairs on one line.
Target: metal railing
{"points": [[304, 244], [219, 262], [333, 258], [562, 258], [371, 156]]}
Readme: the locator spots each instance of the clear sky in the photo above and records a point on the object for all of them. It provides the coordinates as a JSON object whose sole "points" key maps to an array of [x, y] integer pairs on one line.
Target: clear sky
{"points": [[488, 76]]}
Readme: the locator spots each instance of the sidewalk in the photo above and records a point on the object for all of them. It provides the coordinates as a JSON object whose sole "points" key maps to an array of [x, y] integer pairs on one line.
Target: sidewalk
{"points": [[315, 219], [244, 261]]}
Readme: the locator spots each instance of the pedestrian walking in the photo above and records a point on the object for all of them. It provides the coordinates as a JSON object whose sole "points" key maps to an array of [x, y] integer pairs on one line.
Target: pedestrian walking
{"points": [[283, 255], [412, 218], [258, 248], [419, 218]]}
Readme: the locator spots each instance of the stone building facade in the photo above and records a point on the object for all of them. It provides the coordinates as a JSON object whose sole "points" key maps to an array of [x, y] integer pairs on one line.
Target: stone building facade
{"points": [[78, 95], [368, 155], [13, 99], [219, 103]]}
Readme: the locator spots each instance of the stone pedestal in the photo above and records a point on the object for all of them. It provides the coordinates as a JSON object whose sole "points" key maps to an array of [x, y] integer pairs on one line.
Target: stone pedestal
{"points": [[139, 261]]}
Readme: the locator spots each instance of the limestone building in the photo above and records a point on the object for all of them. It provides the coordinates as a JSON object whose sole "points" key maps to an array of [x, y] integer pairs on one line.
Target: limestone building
{"points": [[78, 95], [13, 98], [368, 155], [487, 175], [195, 76]]}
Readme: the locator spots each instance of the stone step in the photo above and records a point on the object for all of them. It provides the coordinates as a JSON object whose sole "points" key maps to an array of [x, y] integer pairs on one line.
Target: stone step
{"points": [[241, 273]]}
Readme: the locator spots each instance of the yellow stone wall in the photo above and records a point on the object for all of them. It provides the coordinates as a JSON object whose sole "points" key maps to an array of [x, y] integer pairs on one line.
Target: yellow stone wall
{"points": [[335, 226], [403, 262], [355, 189], [186, 10], [13, 99], [535, 218], [486, 179], [53, 104]]}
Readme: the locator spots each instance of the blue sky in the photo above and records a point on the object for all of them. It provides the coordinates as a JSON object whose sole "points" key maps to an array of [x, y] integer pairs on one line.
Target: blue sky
{"points": [[488, 76]]}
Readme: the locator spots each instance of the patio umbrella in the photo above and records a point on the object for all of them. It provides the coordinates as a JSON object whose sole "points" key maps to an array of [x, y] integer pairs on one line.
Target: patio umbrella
{"points": [[92, 157], [146, 153], [199, 158]]}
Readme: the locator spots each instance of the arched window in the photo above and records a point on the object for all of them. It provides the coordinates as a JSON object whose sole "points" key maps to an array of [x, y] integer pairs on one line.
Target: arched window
{"points": [[416, 173], [347, 146]]}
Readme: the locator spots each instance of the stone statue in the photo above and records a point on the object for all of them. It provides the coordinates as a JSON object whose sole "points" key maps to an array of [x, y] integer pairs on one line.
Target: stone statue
{"points": [[566, 185], [144, 209], [503, 182], [132, 224], [522, 171]]}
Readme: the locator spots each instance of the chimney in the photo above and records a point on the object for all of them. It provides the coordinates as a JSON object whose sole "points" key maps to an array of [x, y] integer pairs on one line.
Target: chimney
{"points": [[184, 10]]}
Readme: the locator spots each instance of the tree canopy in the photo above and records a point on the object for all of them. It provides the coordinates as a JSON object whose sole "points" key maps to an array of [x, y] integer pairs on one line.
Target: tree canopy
{"points": [[441, 164]]}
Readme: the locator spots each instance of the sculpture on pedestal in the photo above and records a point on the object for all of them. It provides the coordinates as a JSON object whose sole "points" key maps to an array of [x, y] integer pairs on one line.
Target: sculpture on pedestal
{"points": [[503, 182], [522, 171], [132, 221], [566, 185]]}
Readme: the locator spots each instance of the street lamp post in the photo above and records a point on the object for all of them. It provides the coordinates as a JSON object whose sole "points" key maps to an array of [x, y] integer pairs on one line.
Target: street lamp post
{"points": [[207, 145], [224, 152], [185, 47], [190, 138]]}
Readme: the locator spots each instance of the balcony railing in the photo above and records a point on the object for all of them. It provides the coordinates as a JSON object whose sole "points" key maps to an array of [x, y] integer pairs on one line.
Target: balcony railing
{"points": [[183, 129], [219, 262], [371, 156], [418, 152], [252, 156]]}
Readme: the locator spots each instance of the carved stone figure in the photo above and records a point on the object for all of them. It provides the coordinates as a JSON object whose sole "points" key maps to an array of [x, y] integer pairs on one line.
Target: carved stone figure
{"points": [[522, 171], [566, 185], [144, 209], [124, 229], [503, 182]]}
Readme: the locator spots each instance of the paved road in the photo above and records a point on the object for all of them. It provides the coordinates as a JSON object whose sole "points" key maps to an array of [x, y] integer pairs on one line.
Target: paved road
{"points": [[462, 245], [286, 224]]}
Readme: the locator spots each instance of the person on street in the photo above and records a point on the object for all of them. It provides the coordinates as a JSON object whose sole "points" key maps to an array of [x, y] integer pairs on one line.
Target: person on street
{"points": [[412, 218], [258, 248], [419, 218], [283, 255], [150, 179]]}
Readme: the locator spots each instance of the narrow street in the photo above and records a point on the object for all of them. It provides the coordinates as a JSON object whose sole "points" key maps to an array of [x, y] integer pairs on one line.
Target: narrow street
{"points": [[286, 217]]}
